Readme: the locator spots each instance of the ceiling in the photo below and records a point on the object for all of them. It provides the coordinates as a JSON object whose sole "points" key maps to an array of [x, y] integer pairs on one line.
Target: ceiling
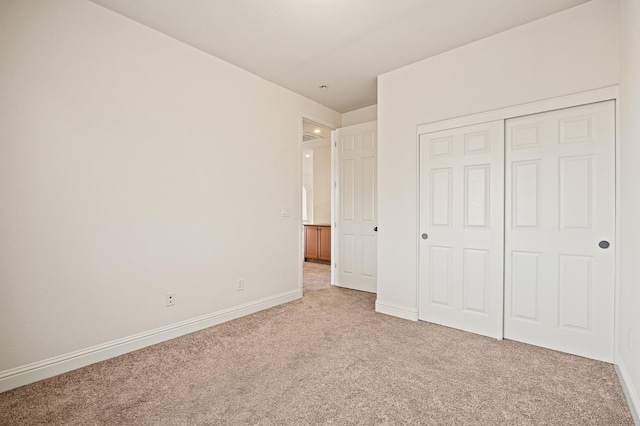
{"points": [[343, 44]]}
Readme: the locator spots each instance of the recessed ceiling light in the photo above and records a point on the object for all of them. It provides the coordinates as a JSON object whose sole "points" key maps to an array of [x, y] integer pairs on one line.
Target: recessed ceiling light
{"points": [[324, 87], [308, 155], [316, 131]]}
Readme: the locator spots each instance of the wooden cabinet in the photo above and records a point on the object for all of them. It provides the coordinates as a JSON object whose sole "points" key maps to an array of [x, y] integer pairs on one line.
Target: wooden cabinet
{"points": [[311, 242], [324, 252], [317, 243]]}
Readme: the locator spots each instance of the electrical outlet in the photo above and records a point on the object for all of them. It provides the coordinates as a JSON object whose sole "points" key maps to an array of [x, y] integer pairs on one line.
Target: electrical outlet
{"points": [[286, 212], [240, 285], [171, 299]]}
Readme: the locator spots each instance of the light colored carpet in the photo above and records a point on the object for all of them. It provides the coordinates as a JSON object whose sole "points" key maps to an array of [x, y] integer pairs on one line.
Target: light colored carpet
{"points": [[316, 276], [327, 359]]}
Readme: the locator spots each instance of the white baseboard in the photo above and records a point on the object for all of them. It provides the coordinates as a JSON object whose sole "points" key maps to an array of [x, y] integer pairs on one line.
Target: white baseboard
{"points": [[629, 391], [30, 373], [397, 310]]}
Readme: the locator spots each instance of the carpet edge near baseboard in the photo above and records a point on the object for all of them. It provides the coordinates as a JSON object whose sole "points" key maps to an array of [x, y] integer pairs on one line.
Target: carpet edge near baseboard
{"points": [[395, 310], [23, 375]]}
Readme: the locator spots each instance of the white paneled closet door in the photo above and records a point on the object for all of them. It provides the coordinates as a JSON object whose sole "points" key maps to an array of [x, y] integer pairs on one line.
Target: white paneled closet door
{"points": [[560, 228], [461, 226]]}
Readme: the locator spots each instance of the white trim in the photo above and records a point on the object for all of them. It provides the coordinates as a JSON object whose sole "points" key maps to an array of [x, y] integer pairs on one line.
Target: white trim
{"points": [[399, 311], [418, 225], [616, 301], [334, 206], [30, 373], [335, 217], [629, 391], [360, 126], [599, 95]]}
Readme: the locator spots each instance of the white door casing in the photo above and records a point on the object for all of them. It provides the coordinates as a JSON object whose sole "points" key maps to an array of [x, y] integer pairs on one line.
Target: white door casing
{"points": [[560, 204], [356, 212], [462, 218]]}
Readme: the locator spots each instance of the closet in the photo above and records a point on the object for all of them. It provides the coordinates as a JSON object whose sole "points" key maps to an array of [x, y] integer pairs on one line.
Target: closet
{"points": [[517, 228]]}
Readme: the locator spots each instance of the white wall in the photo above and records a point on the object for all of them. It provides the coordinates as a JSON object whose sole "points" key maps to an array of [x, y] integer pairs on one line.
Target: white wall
{"points": [[322, 185], [307, 183], [569, 52], [132, 165], [629, 280], [359, 116]]}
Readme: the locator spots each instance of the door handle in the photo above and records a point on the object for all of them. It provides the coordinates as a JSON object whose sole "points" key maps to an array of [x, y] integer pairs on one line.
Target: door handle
{"points": [[425, 236], [375, 229], [604, 244]]}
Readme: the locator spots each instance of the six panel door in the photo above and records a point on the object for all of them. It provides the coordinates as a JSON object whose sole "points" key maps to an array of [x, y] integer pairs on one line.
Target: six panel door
{"points": [[357, 207], [560, 228], [461, 226]]}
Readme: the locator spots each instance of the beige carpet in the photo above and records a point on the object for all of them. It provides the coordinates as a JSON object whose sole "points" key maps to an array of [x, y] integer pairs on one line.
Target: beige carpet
{"points": [[327, 359], [316, 276]]}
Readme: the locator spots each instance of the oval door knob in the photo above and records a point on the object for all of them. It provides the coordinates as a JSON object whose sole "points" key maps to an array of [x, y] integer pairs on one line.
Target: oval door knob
{"points": [[604, 244], [375, 229], [425, 236]]}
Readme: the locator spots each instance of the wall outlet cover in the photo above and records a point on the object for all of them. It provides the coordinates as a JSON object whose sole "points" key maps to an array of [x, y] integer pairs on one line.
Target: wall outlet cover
{"points": [[171, 299]]}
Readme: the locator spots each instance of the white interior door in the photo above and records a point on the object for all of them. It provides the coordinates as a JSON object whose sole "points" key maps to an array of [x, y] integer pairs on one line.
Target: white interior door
{"points": [[560, 204], [356, 207], [461, 225]]}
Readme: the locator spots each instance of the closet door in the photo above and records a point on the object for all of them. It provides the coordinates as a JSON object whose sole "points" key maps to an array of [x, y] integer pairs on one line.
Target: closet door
{"points": [[560, 228], [461, 227]]}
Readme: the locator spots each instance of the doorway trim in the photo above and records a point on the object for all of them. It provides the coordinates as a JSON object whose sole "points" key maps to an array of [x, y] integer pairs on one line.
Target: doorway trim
{"points": [[592, 96], [582, 98], [332, 126]]}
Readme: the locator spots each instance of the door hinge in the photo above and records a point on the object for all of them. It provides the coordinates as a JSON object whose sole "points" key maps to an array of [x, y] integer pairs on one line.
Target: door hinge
{"points": [[335, 184]]}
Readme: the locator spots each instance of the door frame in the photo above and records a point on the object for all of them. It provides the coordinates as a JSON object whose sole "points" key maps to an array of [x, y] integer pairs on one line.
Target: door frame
{"points": [[577, 99], [302, 117]]}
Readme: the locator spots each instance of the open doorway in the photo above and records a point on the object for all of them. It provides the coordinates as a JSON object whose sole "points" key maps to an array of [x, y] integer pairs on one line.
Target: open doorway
{"points": [[317, 205]]}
